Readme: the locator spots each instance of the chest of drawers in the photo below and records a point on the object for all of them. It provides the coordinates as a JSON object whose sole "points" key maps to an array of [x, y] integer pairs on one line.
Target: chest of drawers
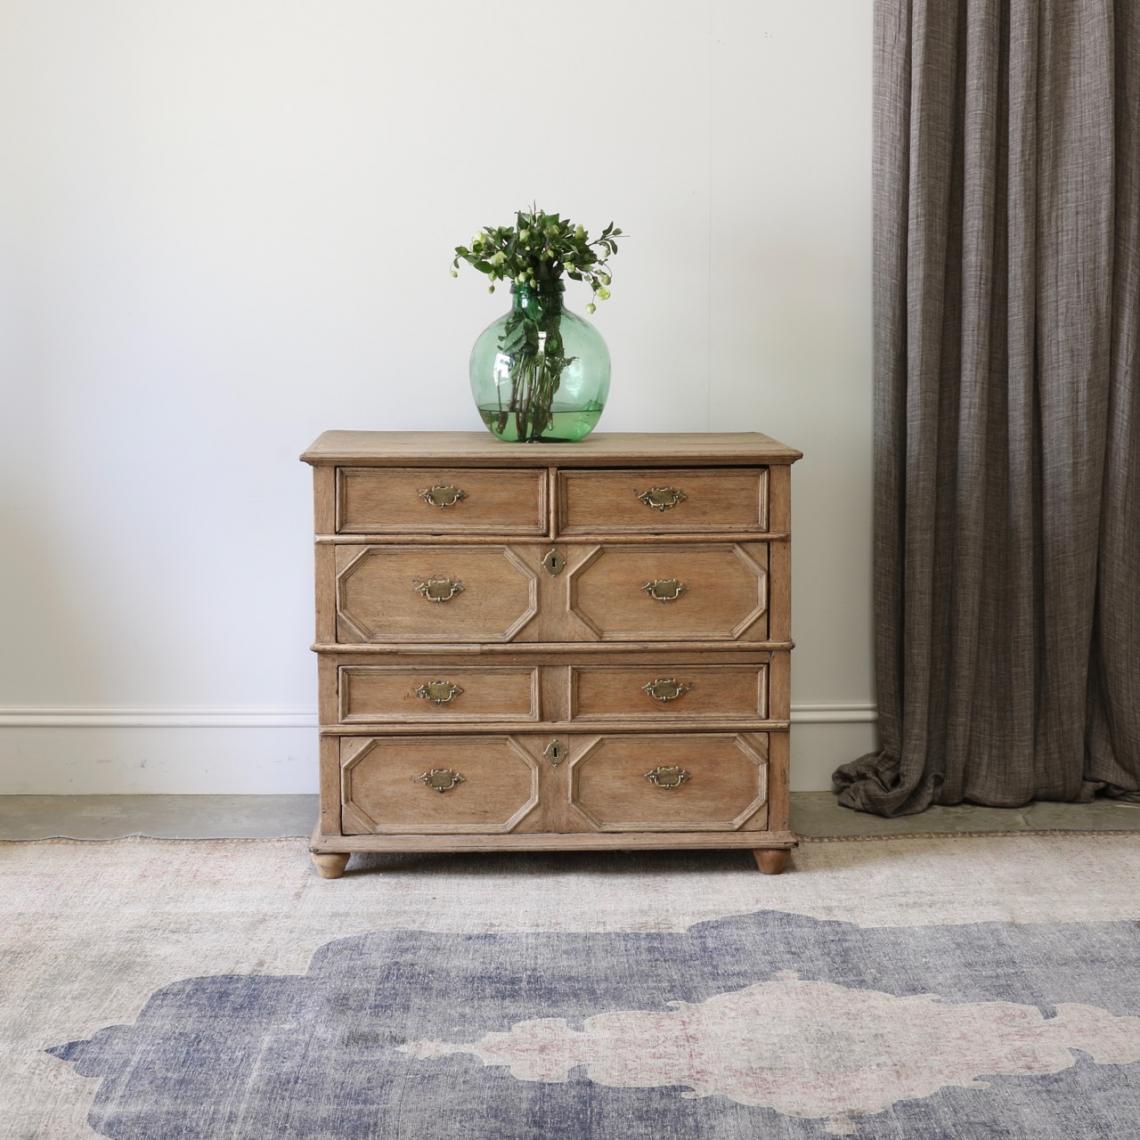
{"points": [[549, 646]]}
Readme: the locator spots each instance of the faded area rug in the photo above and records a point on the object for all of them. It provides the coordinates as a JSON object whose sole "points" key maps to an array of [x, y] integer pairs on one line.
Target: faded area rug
{"points": [[945, 988]]}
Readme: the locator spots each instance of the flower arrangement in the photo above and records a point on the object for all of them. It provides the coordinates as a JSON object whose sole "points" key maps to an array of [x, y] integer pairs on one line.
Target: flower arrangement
{"points": [[533, 255], [537, 250]]}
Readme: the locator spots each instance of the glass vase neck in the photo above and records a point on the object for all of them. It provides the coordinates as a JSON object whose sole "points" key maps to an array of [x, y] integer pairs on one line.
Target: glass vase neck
{"points": [[537, 299]]}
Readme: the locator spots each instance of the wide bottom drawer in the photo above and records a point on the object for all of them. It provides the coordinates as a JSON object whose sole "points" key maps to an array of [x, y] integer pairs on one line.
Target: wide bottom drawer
{"points": [[572, 783]]}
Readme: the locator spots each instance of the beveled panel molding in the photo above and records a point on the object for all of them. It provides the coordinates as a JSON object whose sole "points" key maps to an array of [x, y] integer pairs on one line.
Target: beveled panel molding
{"points": [[724, 788], [384, 792], [722, 594], [386, 593]]}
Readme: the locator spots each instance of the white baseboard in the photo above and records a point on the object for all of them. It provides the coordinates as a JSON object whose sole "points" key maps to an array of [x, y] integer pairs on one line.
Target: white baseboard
{"points": [[61, 717], [245, 751], [58, 716]]}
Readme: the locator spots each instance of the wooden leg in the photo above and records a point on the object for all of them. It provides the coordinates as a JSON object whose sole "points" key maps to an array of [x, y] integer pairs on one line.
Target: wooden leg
{"points": [[330, 864], [771, 860]]}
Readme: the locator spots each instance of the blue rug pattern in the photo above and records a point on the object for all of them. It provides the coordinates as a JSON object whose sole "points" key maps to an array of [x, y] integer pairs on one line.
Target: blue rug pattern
{"points": [[768, 1025]]}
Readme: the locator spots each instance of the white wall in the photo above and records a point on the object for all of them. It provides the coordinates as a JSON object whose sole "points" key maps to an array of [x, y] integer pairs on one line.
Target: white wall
{"points": [[225, 226]]}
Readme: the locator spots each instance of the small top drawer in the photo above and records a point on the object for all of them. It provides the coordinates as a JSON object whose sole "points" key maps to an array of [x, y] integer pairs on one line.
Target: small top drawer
{"points": [[729, 500], [434, 500]]}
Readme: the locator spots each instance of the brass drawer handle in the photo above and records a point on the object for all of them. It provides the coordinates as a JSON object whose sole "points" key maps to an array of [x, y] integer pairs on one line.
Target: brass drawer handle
{"points": [[664, 589], [438, 692], [441, 779], [668, 776], [439, 589], [662, 498], [666, 689], [443, 495]]}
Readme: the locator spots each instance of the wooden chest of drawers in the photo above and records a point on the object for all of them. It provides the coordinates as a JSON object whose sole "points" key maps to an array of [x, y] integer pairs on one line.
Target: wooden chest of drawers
{"points": [[548, 646]]}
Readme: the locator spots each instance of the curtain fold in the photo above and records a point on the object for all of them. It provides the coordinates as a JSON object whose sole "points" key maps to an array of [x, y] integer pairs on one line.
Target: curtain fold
{"points": [[1007, 361]]}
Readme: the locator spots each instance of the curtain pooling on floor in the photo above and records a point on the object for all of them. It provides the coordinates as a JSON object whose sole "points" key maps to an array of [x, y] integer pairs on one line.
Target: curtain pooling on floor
{"points": [[1007, 362]]}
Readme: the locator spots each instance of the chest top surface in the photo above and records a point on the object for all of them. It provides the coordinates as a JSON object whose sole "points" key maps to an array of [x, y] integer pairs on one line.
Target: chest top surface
{"points": [[602, 449]]}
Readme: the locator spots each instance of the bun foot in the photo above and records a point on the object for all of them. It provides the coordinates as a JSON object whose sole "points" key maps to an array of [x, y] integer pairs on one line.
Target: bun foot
{"points": [[772, 860], [330, 864]]}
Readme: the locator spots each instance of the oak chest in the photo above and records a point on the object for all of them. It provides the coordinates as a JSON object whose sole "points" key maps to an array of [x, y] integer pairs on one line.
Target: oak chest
{"points": [[552, 646]]}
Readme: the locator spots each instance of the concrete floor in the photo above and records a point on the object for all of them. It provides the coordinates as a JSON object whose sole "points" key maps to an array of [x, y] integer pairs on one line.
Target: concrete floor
{"points": [[814, 814]]}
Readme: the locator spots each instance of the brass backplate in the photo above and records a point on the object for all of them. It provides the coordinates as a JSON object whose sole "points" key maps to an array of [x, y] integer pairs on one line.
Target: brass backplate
{"points": [[441, 779], [443, 495], [438, 692], [668, 776], [439, 589], [662, 498], [664, 589], [665, 689]]}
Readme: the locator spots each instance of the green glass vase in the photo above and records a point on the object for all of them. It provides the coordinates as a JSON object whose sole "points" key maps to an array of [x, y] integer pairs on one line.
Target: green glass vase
{"points": [[540, 373]]}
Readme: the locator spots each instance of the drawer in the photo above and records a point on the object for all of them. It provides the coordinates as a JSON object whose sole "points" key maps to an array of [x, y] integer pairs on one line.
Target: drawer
{"points": [[469, 784], [730, 500], [677, 692], [427, 500], [436, 694], [435, 785], [432, 593], [467, 593], [658, 592], [678, 782]]}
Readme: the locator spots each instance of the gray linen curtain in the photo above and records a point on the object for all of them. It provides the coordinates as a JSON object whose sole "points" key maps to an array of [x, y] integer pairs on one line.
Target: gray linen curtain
{"points": [[1007, 369]]}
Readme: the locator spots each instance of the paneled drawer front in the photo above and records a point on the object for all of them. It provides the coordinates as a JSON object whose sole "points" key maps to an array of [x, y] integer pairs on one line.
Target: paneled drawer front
{"points": [[711, 591], [432, 593], [686, 500], [679, 782], [435, 785], [468, 593], [437, 694], [409, 500], [656, 693]]}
